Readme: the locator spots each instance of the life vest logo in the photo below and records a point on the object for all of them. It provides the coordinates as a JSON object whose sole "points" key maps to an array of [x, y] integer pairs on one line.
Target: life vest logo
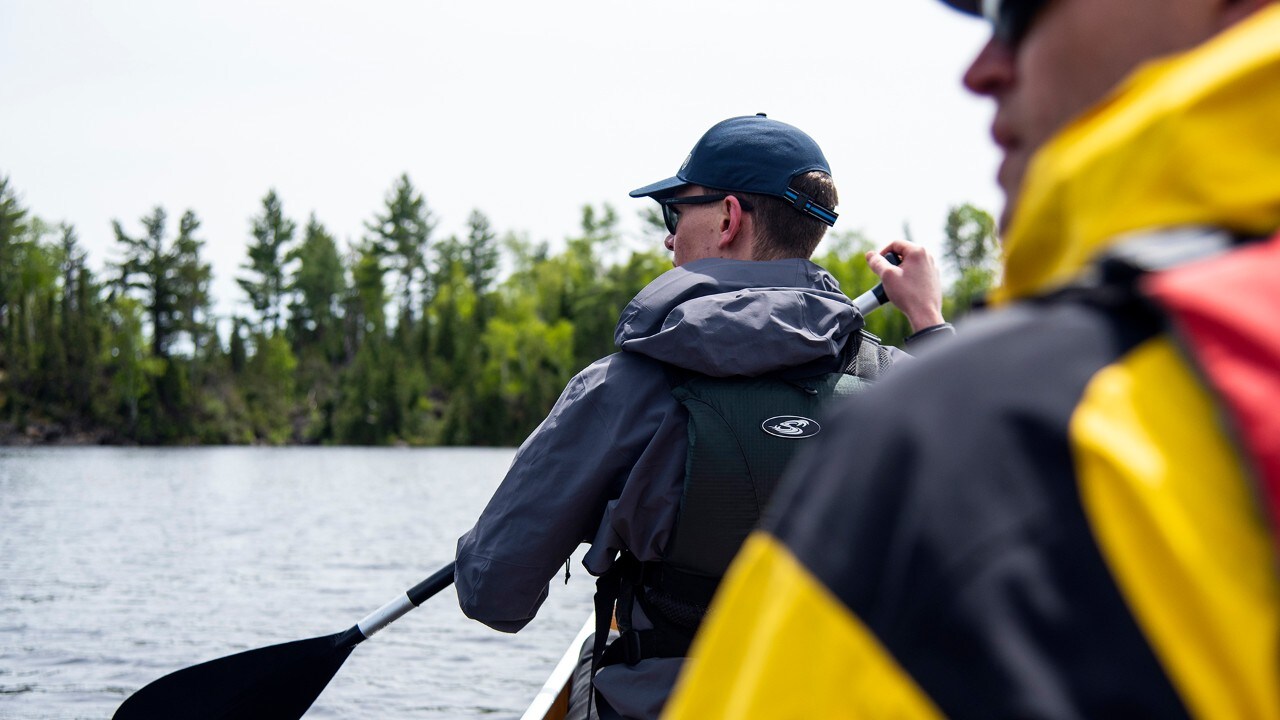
{"points": [[791, 426]]}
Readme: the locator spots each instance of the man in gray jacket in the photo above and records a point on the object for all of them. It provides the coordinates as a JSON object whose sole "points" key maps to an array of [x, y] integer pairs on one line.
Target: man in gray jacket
{"points": [[608, 466]]}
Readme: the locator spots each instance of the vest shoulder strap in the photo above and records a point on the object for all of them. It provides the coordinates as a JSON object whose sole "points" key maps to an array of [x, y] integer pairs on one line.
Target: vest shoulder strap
{"points": [[872, 358]]}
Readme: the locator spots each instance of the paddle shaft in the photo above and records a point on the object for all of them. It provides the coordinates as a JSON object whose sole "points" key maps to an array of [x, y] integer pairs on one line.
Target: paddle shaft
{"points": [[875, 297], [394, 610]]}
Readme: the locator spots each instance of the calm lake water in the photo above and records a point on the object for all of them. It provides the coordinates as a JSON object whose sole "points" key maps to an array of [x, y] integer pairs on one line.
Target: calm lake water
{"points": [[118, 566]]}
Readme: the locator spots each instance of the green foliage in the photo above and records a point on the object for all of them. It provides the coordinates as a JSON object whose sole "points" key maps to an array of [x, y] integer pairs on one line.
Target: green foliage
{"points": [[317, 287], [973, 249], [482, 255], [468, 358], [192, 300], [844, 257], [366, 312], [238, 352], [272, 231], [268, 385], [528, 362], [32, 338], [402, 235], [168, 277], [364, 412], [77, 371], [13, 230], [130, 365]]}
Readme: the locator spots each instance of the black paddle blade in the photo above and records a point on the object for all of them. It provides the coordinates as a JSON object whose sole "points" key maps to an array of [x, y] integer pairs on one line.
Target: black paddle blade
{"points": [[272, 683]]}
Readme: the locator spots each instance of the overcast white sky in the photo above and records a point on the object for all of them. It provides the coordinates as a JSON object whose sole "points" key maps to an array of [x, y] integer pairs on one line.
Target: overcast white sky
{"points": [[524, 110]]}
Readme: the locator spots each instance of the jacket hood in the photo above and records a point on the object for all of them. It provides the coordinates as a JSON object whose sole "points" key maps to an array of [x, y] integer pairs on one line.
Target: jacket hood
{"points": [[1190, 140], [734, 317]]}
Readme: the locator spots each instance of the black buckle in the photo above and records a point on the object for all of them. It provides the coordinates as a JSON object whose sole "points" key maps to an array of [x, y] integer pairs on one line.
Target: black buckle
{"points": [[632, 646]]}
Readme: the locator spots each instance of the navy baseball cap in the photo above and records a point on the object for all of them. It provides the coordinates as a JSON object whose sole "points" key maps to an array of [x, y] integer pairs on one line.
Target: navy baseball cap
{"points": [[750, 154], [970, 7]]}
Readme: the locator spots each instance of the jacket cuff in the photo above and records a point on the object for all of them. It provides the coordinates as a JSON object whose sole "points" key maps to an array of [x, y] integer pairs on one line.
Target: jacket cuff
{"points": [[928, 335]]}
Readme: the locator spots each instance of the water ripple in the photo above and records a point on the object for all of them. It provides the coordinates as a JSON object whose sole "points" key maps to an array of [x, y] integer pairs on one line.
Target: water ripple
{"points": [[15, 689]]}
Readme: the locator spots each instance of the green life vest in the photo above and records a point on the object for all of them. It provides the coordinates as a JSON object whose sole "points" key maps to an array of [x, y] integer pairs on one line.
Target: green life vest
{"points": [[742, 434]]}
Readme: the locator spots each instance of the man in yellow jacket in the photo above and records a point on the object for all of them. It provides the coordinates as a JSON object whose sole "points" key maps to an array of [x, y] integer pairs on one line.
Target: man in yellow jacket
{"points": [[1070, 511]]}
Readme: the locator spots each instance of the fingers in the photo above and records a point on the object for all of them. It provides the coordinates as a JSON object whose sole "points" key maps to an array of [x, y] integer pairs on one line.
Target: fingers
{"points": [[914, 286], [878, 264]]}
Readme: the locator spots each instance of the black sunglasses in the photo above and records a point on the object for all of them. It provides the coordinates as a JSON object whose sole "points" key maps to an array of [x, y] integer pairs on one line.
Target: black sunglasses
{"points": [[1011, 20], [671, 209]]}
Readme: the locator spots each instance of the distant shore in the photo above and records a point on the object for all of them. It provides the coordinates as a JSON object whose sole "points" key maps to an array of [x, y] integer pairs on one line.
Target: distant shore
{"points": [[55, 434]]}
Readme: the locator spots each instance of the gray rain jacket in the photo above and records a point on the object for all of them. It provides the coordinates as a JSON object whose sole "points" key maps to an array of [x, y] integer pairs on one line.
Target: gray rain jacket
{"points": [[606, 466]]}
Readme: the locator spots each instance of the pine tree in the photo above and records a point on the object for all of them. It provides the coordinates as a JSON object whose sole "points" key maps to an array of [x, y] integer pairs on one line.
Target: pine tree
{"points": [[149, 268], [193, 302], [13, 226], [402, 235], [81, 326], [317, 289], [264, 286], [481, 261]]}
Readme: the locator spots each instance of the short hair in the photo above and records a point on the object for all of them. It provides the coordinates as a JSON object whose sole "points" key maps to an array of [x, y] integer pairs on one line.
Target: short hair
{"points": [[782, 231]]}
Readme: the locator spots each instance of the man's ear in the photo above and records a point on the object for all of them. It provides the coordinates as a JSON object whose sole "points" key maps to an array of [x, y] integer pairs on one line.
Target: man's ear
{"points": [[731, 222]]}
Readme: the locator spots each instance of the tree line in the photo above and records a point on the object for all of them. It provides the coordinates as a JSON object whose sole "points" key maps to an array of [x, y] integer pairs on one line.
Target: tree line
{"points": [[402, 337]]}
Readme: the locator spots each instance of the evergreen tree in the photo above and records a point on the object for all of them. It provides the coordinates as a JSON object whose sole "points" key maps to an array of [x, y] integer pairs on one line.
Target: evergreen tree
{"points": [[237, 352], [80, 328], [32, 344], [172, 284], [193, 302], [149, 267], [317, 288], [13, 227], [402, 235], [584, 297], [367, 405], [481, 261], [468, 359], [268, 383], [365, 311], [272, 231], [130, 366], [458, 353]]}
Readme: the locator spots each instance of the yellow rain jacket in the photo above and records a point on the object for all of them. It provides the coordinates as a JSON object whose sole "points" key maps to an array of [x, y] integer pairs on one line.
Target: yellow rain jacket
{"points": [[1068, 512]]}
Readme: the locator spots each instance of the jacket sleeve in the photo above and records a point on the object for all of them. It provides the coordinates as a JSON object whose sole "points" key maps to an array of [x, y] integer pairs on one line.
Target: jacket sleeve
{"points": [[551, 500]]}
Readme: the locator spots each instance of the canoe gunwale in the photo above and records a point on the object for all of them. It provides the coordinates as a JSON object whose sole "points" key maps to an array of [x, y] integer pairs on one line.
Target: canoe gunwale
{"points": [[552, 700]]}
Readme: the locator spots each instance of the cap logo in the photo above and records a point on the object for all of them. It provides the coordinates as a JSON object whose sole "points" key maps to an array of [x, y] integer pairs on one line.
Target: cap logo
{"points": [[685, 164], [791, 427]]}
